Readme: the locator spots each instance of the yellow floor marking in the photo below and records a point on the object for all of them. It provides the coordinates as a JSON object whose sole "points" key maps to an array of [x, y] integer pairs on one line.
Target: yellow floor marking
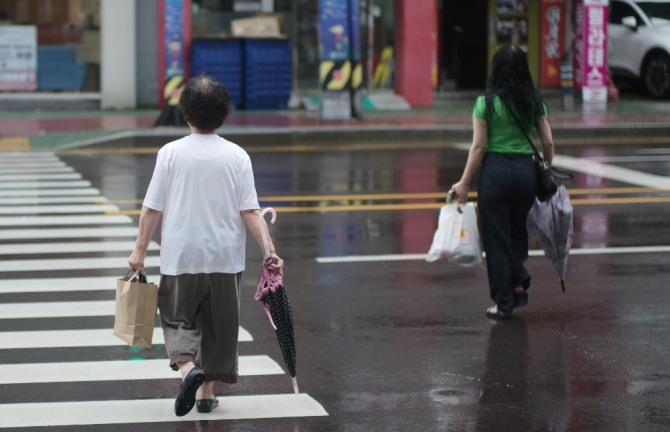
{"points": [[424, 206], [14, 143], [431, 195], [271, 149]]}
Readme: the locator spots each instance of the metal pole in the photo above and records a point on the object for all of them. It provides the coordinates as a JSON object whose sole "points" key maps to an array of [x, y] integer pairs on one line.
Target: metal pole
{"points": [[371, 42]]}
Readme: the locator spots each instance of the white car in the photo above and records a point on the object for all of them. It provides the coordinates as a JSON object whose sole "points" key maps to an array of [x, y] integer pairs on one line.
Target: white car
{"points": [[639, 43]]}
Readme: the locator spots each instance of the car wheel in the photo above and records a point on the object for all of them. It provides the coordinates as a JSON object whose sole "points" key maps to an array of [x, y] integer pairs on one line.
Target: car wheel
{"points": [[656, 75]]}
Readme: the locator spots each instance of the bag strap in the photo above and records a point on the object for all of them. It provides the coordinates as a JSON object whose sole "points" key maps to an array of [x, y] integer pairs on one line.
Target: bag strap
{"points": [[557, 172]]}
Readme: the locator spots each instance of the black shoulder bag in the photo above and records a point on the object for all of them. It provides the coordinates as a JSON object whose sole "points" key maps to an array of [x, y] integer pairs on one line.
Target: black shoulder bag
{"points": [[546, 175]]}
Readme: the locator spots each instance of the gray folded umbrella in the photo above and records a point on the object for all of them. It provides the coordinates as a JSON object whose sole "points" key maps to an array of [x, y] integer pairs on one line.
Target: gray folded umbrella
{"points": [[550, 223]]}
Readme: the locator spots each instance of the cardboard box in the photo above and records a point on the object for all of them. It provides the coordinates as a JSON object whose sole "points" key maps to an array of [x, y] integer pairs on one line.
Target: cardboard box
{"points": [[258, 27]]}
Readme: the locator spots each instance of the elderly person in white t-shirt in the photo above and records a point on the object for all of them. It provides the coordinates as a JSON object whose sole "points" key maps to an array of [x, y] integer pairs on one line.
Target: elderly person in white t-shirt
{"points": [[203, 187]]}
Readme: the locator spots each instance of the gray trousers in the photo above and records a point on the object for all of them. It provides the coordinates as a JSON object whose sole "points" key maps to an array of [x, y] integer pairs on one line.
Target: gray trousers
{"points": [[200, 320]]}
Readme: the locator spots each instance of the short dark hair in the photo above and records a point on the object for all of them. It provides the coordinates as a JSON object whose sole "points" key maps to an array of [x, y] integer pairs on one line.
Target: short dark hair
{"points": [[205, 103]]}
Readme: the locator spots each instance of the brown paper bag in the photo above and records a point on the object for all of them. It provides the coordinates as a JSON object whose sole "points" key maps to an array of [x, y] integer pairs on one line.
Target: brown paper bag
{"points": [[136, 304]]}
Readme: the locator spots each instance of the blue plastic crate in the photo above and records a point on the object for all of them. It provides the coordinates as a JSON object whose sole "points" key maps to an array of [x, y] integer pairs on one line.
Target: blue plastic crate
{"points": [[268, 74], [221, 59]]}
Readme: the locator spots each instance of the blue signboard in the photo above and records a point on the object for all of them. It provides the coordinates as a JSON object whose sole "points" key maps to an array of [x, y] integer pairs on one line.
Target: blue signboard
{"points": [[355, 31], [335, 32], [174, 38]]}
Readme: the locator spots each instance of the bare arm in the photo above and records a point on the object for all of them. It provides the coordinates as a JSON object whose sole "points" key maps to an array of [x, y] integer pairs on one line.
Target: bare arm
{"points": [[544, 131], [475, 157], [257, 226], [148, 221]]}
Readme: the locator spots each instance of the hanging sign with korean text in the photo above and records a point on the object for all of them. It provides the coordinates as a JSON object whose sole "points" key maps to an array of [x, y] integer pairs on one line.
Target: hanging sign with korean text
{"points": [[594, 74], [552, 43]]}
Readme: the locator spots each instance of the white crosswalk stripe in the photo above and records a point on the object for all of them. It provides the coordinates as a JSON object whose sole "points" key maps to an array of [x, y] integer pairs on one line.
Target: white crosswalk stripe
{"points": [[59, 284], [44, 209], [48, 213], [117, 370], [49, 192], [44, 184], [38, 248], [67, 233], [63, 220], [71, 264], [154, 411], [78, 338], [53, 200]]}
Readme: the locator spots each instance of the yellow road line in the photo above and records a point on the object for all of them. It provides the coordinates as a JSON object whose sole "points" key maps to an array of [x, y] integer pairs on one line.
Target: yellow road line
{"points": [[426, 206], [271, 149], [423, 195]]}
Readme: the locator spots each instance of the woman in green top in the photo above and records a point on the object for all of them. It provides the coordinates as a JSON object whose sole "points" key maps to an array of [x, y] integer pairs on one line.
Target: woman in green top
{"points": [[511, 108]]}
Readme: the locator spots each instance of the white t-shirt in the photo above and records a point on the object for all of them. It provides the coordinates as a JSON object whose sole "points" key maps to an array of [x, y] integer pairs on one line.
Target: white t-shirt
{"points": [[201, 183]]}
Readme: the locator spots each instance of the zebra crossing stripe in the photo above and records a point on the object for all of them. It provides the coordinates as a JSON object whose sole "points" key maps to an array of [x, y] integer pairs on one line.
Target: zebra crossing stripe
{"points": [[29, 156], [53, 200], [155, 411], [64, 220], [46, 163], [72, 264], [48, 192], [8, 286], [117, 370], [44, 184], [46, 209], [36, 177], [50, 169], [58, 309], [42, 248], [78, 338], [70, 233]]}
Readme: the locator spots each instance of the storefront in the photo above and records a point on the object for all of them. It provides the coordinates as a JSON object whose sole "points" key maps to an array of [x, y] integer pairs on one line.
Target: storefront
{"points": [[111, 47], [50, 45]]}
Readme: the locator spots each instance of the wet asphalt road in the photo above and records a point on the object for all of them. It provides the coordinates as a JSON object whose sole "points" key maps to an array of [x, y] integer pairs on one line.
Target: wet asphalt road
{"points": [[404, 345]]}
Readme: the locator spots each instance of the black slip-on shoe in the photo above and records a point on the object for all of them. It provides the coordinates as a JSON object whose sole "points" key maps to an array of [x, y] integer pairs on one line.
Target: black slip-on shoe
{"points": [[494, 313], [206, 405], [520, 299], [186, 396]]}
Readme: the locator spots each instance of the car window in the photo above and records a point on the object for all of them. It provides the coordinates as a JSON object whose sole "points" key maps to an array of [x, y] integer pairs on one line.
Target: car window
{"points": [[658, 12], [620, 10]]}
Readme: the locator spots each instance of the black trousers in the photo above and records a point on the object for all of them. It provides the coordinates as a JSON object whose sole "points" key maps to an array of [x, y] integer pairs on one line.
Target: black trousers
{"points": [[506, 192]]}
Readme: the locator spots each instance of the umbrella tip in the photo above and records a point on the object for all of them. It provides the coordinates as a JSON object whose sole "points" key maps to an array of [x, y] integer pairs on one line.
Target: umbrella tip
{"points": [[563, 285], [295, 385]]}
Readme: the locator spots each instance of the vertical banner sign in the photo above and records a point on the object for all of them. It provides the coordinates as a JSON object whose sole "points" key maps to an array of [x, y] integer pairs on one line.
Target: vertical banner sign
{"points": [[434, 61], [173, 56], [172, 50], [553, 25], [18, 57], [578, 45], [335, 70], [594, 57]]}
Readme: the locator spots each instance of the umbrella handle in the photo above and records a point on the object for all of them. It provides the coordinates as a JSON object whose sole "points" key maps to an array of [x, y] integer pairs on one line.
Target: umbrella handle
{"points": [[263, 234]]}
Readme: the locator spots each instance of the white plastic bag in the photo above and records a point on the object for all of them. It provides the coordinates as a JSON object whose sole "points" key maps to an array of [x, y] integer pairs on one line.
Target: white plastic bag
{"points": [[457, 236]]}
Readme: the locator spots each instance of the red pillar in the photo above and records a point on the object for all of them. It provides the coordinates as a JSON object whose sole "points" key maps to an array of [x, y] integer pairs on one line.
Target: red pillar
{"points": [[414, 27]]}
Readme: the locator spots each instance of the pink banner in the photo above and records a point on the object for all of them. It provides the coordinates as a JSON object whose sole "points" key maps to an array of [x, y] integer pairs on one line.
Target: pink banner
{"points": [[594, 55]]}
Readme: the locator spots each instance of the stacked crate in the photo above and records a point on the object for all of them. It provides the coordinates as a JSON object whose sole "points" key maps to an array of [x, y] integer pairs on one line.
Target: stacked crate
{"points": [[221, 59], [267, 74]]}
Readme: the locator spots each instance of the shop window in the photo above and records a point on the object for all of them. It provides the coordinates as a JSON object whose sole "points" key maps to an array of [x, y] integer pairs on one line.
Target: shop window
{"points": [[67, 41]]}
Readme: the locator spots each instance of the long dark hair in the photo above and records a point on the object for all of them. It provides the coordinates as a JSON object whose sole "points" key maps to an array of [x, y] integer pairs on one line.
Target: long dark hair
{"points": [[511, 81]]}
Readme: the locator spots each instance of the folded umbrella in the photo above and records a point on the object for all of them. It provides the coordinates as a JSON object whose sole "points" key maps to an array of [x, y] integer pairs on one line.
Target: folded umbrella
{"points": [[550, 223], [271, 292]]}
